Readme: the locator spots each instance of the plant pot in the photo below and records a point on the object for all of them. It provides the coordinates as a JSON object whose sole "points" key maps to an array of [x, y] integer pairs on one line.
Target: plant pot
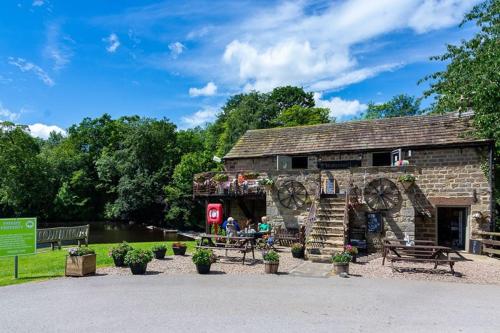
{"points": [[160, 254], [119, 261], [138, 269], [298, 254], [354, 258], [271, 267], [407, 185], [203, 269], [179, 251], [80, 265], [340, 267]]}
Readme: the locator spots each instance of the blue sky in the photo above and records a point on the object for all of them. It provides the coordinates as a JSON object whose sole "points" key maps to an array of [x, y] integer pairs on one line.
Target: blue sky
{"points": [[61, 61]]}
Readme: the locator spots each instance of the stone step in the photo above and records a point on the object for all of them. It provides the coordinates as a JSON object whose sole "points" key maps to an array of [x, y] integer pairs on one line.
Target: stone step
{"points": [[331, 220], [320, 258], [339, 242], [329, 216], [332, 229], [320, 234]]}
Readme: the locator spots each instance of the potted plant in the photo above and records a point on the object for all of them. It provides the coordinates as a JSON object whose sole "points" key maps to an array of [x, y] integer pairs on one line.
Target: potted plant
{"points": [[266, 182], [251, 175], [119, 252], [298, 250], [221, 177], [271, 262], [138, 260], [353, 251], [407, 180], [179, 248], [80, 261], [340, 262], [159, 251], [203, 259]]}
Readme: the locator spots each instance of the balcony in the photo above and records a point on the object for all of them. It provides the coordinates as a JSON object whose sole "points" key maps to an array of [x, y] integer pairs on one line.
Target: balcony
{"points": [[229, 184]]}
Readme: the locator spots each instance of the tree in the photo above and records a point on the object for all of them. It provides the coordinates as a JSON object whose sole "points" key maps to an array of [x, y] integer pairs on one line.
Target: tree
{"points": [[471, 80], [398, 106], [298, 115]]}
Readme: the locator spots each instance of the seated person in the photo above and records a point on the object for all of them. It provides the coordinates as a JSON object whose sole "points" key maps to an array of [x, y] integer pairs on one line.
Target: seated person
{"points": [[264, 225], [232, 221]]}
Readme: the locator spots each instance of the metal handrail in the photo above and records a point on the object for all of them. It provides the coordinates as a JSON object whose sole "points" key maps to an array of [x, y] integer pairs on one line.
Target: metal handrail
{"points": [[346, 213], [311, 217]]}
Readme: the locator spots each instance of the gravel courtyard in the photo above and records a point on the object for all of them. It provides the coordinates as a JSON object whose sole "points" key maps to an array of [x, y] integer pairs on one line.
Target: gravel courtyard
{"points": [[477, 269]]}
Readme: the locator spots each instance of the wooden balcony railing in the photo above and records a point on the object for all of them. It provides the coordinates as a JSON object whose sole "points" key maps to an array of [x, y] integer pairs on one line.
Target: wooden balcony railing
{"points": [[229, 183]]}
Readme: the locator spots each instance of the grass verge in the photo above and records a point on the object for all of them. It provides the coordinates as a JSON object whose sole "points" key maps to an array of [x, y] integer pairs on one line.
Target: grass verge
{"points": [[48, 264]]}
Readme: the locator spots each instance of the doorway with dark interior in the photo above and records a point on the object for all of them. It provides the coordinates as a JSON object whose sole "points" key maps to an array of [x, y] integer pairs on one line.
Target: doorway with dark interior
{"points": [[452, 227]]}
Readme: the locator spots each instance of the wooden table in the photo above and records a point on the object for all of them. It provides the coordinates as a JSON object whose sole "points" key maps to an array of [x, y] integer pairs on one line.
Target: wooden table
{"points": [[241, 244], [395, 251]]}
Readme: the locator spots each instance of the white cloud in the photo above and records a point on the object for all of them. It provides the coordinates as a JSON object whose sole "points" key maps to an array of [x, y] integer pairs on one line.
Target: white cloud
{"points": [[26, 66], [37, 3], [209, 90], [289, 45], [57, 47], [176, 49], [43, 131], [340, 108], [200, 117], [6, 114], [113, 42]]}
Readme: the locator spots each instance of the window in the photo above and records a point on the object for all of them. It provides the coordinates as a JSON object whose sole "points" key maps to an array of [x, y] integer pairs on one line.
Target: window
{"points": [[299, 162], [346, 164], [381, 159]]}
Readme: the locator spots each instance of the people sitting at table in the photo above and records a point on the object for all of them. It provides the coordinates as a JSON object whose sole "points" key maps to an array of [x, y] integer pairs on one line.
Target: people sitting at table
{"points": [[264, 225], [232, 221]]}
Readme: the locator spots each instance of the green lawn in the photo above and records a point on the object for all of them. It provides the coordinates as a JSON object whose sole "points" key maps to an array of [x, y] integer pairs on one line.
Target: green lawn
{"points": [[48, 264]]}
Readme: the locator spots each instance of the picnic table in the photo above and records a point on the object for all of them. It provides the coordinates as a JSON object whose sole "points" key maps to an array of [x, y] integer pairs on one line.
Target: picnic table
{"points": [[240, 244], [422, 251]]}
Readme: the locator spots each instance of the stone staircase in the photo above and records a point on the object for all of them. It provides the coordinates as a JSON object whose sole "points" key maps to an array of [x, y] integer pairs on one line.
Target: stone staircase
{"points": [[327, 233]]}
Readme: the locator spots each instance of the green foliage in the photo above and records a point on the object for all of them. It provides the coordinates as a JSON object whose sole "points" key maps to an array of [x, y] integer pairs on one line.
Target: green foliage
{"points": [[271, 256], [341, 257], [407, 178], [179, 244], [298, 115], [297, 247], [221, 177], [80, 251], [120, 251], [138, 257], [398, 106], [266, 182], [203, 257], [159, 247]]}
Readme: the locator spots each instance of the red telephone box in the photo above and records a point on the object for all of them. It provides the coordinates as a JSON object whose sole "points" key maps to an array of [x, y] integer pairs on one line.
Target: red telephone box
{"points": [[214, 213]]}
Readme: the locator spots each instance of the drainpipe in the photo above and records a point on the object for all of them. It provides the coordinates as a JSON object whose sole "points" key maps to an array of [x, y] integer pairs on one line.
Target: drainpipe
{"points": [[492, 187]]}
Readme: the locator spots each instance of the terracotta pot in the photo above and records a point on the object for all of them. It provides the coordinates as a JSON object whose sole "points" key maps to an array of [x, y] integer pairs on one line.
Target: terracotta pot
{"points": [[80, 265], [203, 269], [138, 269], [179, 251], [340, 267], [271, 267]]}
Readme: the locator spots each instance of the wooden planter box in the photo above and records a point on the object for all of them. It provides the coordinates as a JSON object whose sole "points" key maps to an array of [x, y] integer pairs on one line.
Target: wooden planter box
{"points": [[80, 265]]}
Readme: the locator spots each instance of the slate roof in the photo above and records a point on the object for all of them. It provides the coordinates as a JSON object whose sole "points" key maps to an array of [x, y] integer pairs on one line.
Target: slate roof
{"points": [[389, 133]]}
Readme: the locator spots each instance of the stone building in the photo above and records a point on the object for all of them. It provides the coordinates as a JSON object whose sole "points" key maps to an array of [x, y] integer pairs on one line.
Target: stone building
{"points": [[423, 177]]}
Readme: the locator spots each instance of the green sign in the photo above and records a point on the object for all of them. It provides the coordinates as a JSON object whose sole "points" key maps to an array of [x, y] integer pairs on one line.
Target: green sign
{"points": [[17, 236]]}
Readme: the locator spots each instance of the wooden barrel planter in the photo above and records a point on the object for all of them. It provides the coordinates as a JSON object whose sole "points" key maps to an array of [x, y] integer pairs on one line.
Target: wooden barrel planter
{"points": [[271, 267]]}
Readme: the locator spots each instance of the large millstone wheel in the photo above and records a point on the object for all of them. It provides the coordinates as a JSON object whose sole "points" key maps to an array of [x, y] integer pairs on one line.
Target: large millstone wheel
{"points": [[292, 194], [381, 194]]}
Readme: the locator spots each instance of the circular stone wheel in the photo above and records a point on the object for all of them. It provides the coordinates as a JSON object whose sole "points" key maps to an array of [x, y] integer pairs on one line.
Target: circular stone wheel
{"points": [[292, 194]]}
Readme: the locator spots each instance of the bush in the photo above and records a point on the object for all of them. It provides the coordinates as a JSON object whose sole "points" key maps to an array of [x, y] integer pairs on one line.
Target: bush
{"points": [[266, 182], [407, 178], [341, 257], [159, 247], [120, 251], [203, 257], [271, 256], [80, 251], [138, 257], [179, 244], [221, 177], [297, 247]]}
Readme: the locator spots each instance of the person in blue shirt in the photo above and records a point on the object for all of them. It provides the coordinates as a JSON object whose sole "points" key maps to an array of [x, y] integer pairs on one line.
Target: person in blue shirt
{"points": [[235, 223]]}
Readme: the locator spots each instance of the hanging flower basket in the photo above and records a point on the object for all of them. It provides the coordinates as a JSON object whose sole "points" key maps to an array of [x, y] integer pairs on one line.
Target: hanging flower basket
{"points": [[407, 181]]}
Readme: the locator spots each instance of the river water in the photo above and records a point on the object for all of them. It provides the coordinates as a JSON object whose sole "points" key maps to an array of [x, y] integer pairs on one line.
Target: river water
{"points": [[116, 232]]}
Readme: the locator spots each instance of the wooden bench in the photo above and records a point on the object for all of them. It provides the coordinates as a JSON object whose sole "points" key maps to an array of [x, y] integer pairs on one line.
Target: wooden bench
{"points": [[285, 237], [490, 242], [239, 244], [57, 235], [422, 251]]}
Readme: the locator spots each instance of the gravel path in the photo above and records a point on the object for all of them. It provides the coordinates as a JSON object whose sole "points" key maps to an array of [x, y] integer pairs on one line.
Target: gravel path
{"points": [[478, 270], [172, 265]]}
